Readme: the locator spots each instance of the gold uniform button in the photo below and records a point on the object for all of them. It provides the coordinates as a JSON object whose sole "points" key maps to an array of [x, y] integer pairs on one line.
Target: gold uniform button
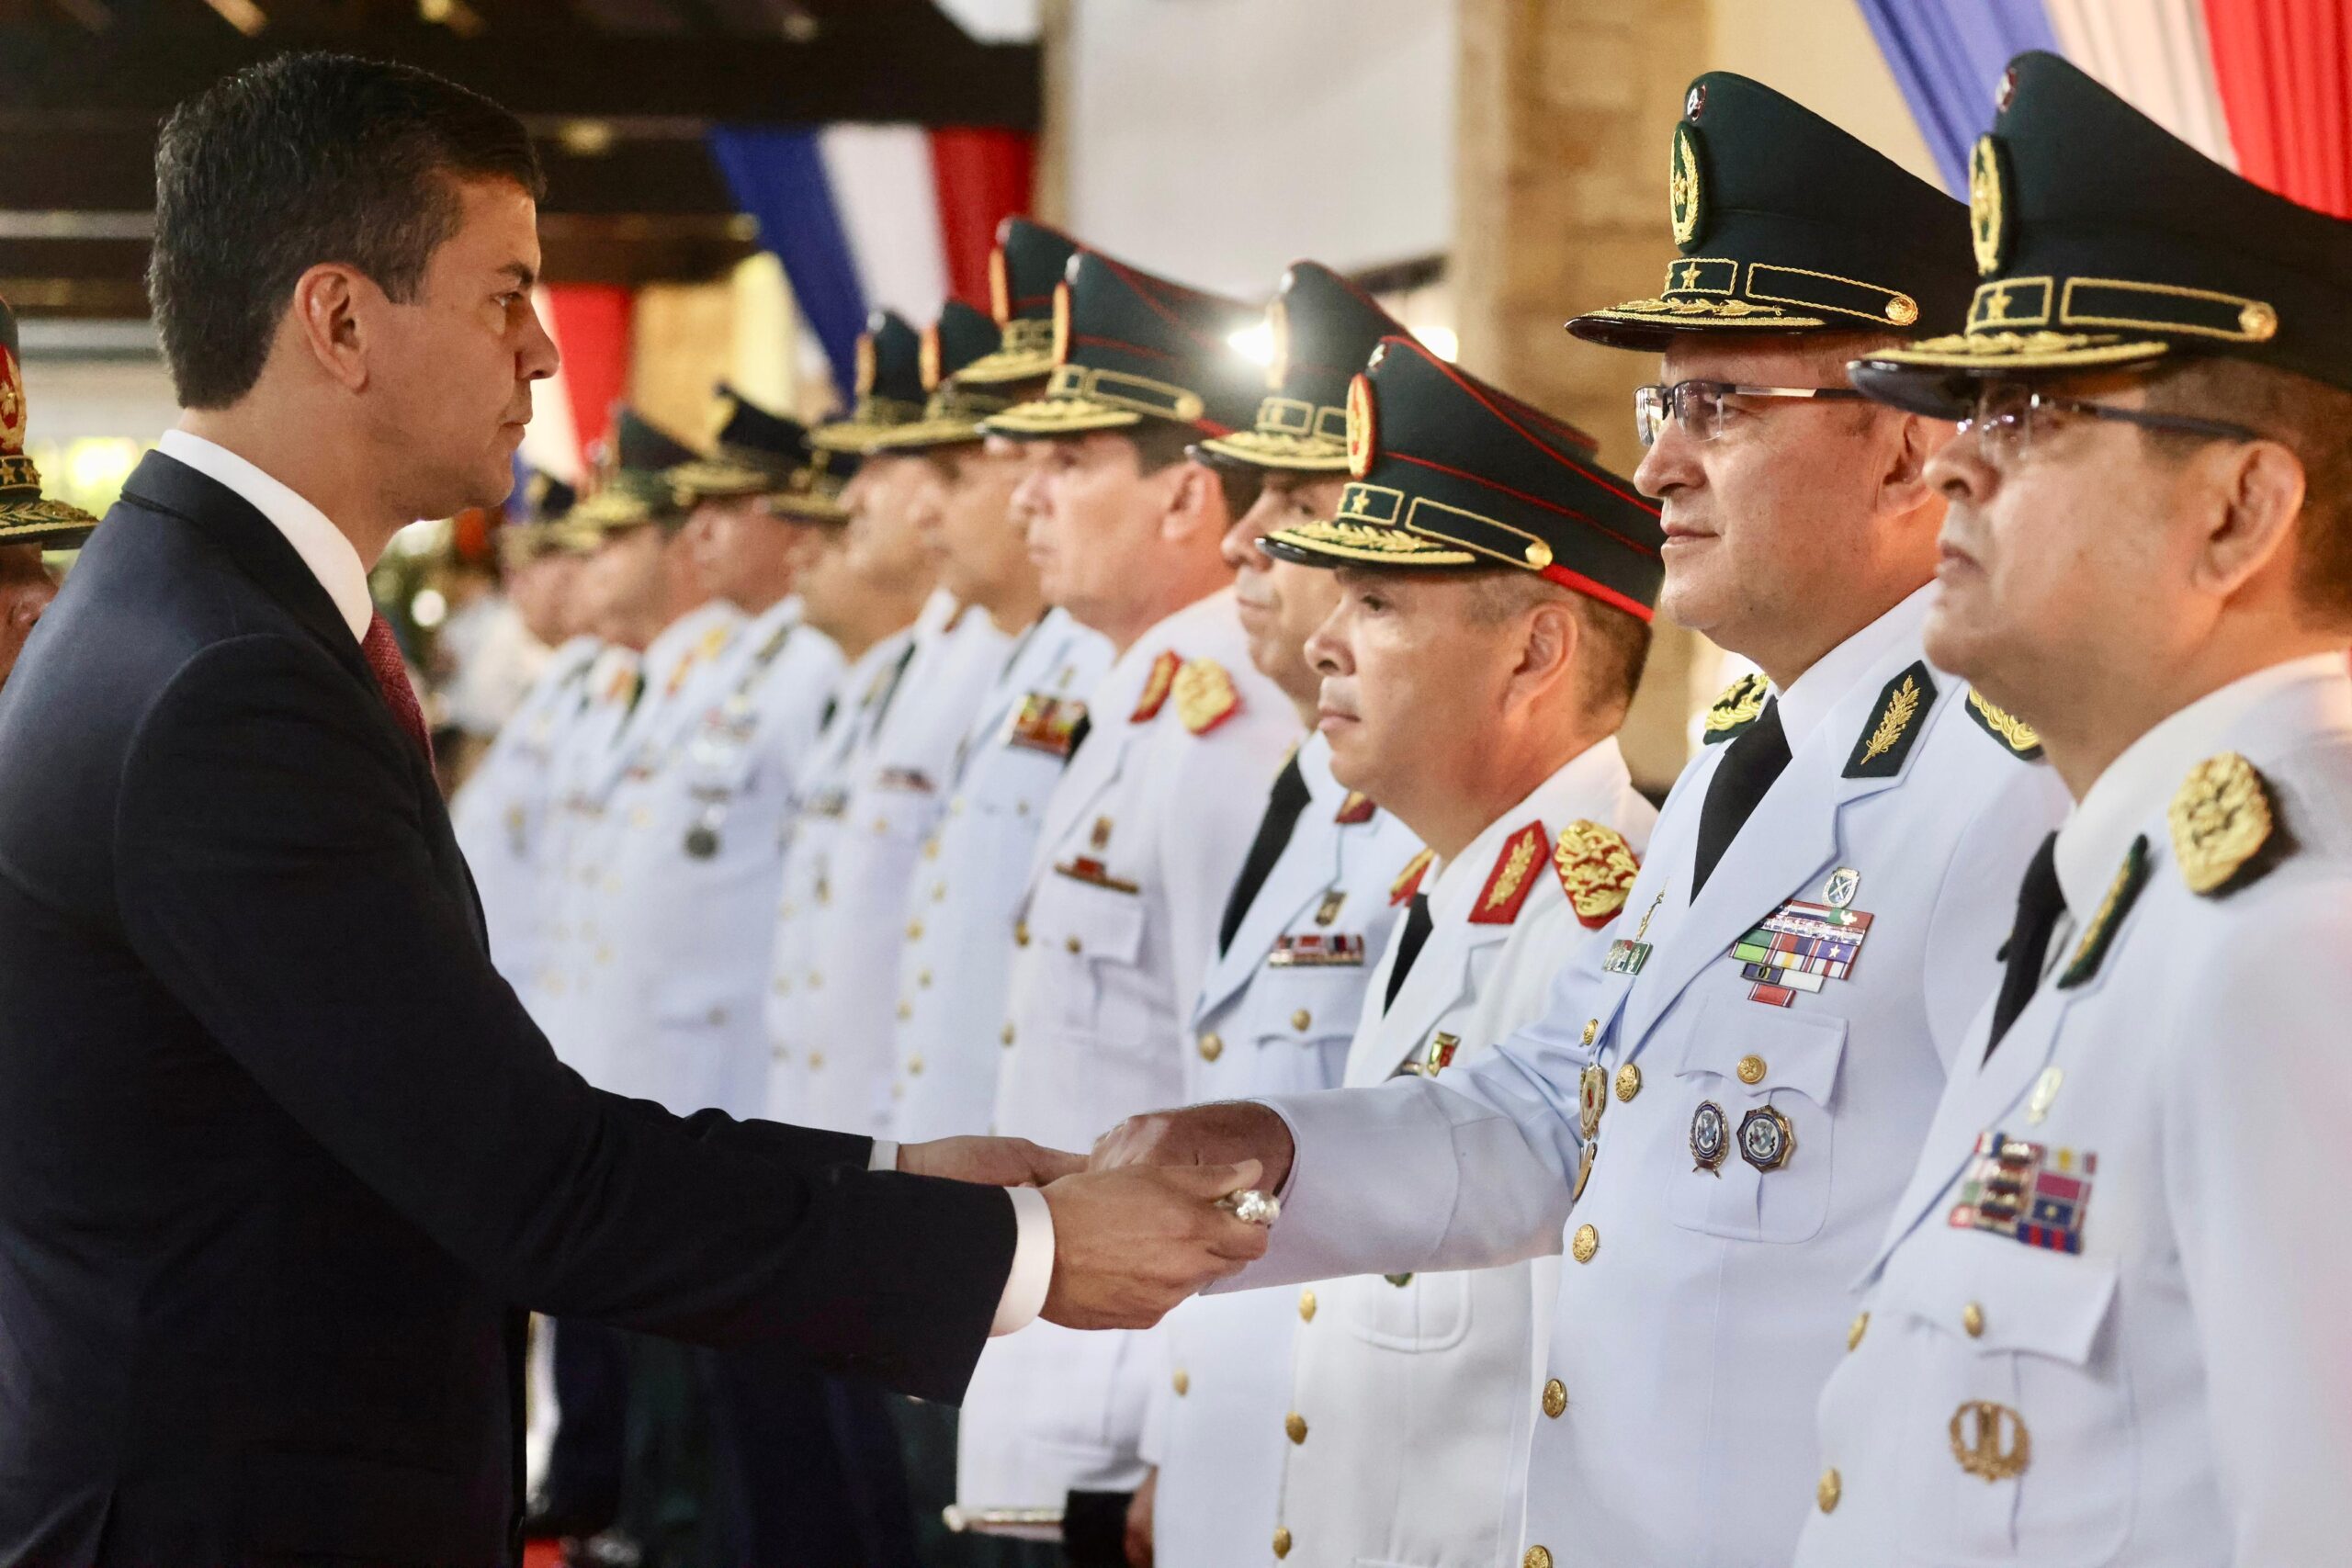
{"points": [[1556, 1398], [1300, 1020], [1021, 934], [1307, 1307], [914, 930], [1282, 1540], [1751, 1069], [1859, 1327], [1007, 1036], [1537, 1557], [906, 1011], [923, 980], [1212, 1047], [1587, 1243], [1831, 1488], [1972, 1318], [816, 1060], [1181, 1382], [939, 893], [914, 1067], [1072, 944], [1294, 1426], [1629, 1082]]}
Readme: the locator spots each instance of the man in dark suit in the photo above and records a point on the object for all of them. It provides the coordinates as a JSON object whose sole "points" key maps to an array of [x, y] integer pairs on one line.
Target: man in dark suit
{"points": [[282, 1160]]}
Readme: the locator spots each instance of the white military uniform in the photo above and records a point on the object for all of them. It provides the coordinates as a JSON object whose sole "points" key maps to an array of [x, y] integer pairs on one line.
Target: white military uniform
{"points": [[974, 867], [500, 815], [805, 899], [1139, 847], [1686, 1344], [897, 784], [590, 1012], [1276, 1017], [2105, 1324], [697, 855], [1410, 1395]]}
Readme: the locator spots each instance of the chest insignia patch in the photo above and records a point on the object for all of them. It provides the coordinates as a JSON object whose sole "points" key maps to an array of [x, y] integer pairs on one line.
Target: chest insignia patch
{"points": [[1156, 687], [1328, 909], [1627, 954], [1204, 695], [1046, 723], [1895, 725], [1514, 877], [1803, 946], [1408, 881], [1596, 867], [1441, 1053], [2006, 728], [1737, 708], [1316, 949], [2222, 823], [2098, 933], [2028, 1192]]}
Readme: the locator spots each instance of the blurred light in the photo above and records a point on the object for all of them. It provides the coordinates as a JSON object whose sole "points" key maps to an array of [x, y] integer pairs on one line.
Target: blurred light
{"points": [[425, 539], [99, 464], [1255, 344], [1441, 342], [242, 15], [428, 608], [586, 138]]}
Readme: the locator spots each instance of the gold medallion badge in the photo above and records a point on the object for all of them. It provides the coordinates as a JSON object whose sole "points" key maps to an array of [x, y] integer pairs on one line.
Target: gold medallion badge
{"points": [[1596, 867], [1685, 198], [1204, 695], [1987, 218], [2220, 819]]}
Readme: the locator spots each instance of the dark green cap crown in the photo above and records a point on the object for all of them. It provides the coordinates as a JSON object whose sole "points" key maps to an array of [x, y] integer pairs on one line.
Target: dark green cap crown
{"points": [[961, 338], [1453, 474], [1129, 346], [2107, 242], [1028, 262], [890, 385], [1324, 329], [758, 453], [1787, 224]]}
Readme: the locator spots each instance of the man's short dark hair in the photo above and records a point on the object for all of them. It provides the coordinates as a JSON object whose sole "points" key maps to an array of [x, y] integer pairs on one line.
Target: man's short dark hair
{"points": [[1612, 652], [1160, 442], [302, 159]]}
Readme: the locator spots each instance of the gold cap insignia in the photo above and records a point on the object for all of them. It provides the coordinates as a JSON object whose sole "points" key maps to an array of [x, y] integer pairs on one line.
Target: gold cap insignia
{"points": [[1204, 695], [1596, 867], [1363, 431], [1685, 198], [2221, 820], [1000, 287], [1987, 210]]}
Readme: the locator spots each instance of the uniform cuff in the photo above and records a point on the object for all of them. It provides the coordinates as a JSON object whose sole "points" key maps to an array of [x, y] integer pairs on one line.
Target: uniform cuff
{"points": [[1033, 1262], [884, 1155]]}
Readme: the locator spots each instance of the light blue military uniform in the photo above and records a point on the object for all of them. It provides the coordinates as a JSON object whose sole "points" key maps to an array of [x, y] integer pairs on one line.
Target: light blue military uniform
{"points": [[1752, 1126], [2105, 1324], [1278, 1011], [896, 788], [972, 872], [499, 815], [1142, 839], [697, 859]]}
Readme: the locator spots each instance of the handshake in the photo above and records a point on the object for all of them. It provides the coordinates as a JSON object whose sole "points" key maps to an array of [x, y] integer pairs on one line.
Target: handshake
{"points": [[1149, 1219]]}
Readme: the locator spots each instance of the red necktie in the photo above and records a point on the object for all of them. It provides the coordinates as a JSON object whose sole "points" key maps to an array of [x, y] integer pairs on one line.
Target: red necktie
{"points": [[383, 652]]}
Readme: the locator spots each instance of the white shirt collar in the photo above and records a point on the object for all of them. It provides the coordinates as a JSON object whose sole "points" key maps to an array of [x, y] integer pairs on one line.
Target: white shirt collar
{"points": [[2135, 786], [1811, 696], [1315, 770], [324, 548]]}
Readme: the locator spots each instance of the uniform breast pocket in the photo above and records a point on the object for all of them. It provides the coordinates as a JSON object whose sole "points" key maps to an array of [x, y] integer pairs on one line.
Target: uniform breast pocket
{"points": [[1758, 1091], [1305, 1018], [2019, 1443], [1423, 1312], [1095, 936]]}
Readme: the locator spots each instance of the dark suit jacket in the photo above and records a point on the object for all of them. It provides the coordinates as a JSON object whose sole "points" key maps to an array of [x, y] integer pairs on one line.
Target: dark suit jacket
{"points": [[282, 1160]]}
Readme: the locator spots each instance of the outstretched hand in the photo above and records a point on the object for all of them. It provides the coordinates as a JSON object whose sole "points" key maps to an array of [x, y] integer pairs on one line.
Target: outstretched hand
{"points": [[1222, 1134], [1130, 1243], [991, 1162]]}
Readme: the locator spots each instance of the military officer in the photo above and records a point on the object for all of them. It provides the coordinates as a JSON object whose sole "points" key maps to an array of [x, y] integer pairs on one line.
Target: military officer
{"points": [[2105, 1323], [29, 521], [1143, 832], [1301, 931], [1721, 1103], [894, 783], [1475, 674]]}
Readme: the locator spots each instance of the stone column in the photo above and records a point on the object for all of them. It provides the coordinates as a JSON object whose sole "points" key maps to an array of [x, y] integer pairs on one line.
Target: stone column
{"points": [[1565, 107]]}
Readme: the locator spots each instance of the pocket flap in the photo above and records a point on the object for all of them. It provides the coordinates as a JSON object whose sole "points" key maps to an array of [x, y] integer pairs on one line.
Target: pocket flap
{"points": [[1305, 1005], [1105, 923], [2026, 1300], [1795, 1052]]}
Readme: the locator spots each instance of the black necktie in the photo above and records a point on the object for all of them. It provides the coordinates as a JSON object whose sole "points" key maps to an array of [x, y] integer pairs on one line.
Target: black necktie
{"points": [[1408, 947], [1283, 807], [1752, 760], [1078, 734], [2040, 903]]}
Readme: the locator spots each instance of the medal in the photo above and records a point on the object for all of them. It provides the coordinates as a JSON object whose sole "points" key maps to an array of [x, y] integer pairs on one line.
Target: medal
{"points": [[2045, 1089], [1803, 945], [1592, 1098], [702, 842], [1627, 954], [1584, 1170], [1329, 910], [1765, 1139], [1710, 1137]]}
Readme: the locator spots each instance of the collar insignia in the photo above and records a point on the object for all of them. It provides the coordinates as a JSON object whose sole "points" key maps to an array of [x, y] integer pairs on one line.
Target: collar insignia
{"points": [[1895, 725], [2099, 935], [2005, 727], [2221, 822], [1596, 867], [1408, 881], [1156, 687], [1737, 708], [1512, 879], [1357, 807]]}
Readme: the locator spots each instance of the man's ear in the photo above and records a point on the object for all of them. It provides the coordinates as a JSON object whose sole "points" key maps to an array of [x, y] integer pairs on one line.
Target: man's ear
{"points": [[2261, 492], [1903, 481], [330, 300], [1549, 641], [1195, 506]]}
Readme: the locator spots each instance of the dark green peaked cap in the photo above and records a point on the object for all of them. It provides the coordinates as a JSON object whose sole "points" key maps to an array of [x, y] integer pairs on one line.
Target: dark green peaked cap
{"points": [[635, 442], [1028, 262], [758, 453], [26, 516], [959, 339], [1324, 330], [1788, 224], [1450, 473], [890, 385], [1129, 346], [2107, 242]]}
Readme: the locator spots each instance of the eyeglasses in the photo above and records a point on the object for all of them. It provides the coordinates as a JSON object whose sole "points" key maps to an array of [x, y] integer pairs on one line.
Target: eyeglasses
{"points": [[1698, 406], [2007, 417]]}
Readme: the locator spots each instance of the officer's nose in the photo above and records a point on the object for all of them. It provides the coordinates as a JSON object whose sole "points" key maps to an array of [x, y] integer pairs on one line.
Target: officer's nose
{"points": [[1961, 469], [1326, 646]]}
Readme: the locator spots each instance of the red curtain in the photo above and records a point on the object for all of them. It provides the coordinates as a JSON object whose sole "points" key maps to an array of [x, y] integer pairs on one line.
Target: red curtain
{"points": [[591, 328], [2284, 69], [983, 176]]}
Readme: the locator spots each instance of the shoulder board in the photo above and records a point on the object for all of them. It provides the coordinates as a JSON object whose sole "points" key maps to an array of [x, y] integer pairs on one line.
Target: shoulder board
{"points": [[2225, 832], [1737, 708], [1204, 695], [1357, 807], [1408, 881], [2005, 727], [715, 640], [1596, 867], [1514, 877], [1156, 687], [1894, 727], [2098, 933], [617, 688]]}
